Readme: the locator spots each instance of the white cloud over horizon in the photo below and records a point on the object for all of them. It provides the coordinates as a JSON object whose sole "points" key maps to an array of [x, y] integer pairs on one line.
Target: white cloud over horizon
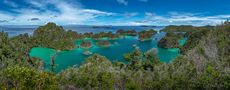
{"points": [[175, 18]]}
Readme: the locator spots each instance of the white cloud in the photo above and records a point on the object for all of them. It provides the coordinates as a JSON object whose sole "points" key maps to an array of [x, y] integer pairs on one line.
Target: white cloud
{"points": [[175, 18], [153, 16], [4, 18], [36, 3], [63, 13], [97, 12], [123, 2]]}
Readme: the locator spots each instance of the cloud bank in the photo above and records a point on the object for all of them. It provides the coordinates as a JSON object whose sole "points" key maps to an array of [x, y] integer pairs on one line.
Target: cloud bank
{"points": [[175, 18], [62, 12]]}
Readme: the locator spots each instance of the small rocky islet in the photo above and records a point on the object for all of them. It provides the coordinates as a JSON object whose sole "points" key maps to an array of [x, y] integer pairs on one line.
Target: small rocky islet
{"points": [[86, 45], [103, 43]]}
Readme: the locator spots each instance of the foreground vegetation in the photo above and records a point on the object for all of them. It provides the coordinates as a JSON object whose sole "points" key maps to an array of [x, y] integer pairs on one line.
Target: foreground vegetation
{"points": [[203, 65]]}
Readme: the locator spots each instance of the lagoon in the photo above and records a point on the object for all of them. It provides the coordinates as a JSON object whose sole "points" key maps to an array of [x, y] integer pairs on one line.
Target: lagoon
{"points": [[115, 52]]}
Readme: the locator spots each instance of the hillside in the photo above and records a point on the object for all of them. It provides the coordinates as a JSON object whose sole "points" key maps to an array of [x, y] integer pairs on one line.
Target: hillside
{"points": [[213, 46], [204, 64]]}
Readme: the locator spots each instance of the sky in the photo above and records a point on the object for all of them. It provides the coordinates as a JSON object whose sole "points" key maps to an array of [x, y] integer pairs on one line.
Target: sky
{"points": [[114, 12]]}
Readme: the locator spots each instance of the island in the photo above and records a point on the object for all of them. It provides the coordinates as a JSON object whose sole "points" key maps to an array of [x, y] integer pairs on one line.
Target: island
{"points": [[103, 43], [88, 35], [97, 36], [86, 44], [51, 34], [122, 32], [181, 28], [112, 36], [193, 33], [186, 28], [171, 40], [146, 35]]}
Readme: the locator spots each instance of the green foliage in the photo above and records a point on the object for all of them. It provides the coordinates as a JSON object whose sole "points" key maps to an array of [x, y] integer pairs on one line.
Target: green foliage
{"points": [[132, 85], [185, 28], [126, 32], [143, 70], [95, 73], [146, 35], [86, 44], [133, 56], [221, 35], [182, 28], [21, 78], [171, 40], [54, 36], [193, 39]]}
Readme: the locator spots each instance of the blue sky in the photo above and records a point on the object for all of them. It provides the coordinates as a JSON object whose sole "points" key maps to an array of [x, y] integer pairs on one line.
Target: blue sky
{"points": [[114, 12]]}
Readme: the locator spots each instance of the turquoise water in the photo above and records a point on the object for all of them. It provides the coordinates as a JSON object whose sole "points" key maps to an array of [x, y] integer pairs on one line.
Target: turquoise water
{"points": [[182, 41], [115, 52], [43, 53]]}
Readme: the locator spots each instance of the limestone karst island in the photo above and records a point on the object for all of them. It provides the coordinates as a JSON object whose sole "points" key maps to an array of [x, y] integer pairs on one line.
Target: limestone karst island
{"points": [[114, 45]]}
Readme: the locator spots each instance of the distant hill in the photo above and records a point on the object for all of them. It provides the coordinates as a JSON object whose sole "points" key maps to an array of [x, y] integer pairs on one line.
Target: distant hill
{"points": [[185, 28]]}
